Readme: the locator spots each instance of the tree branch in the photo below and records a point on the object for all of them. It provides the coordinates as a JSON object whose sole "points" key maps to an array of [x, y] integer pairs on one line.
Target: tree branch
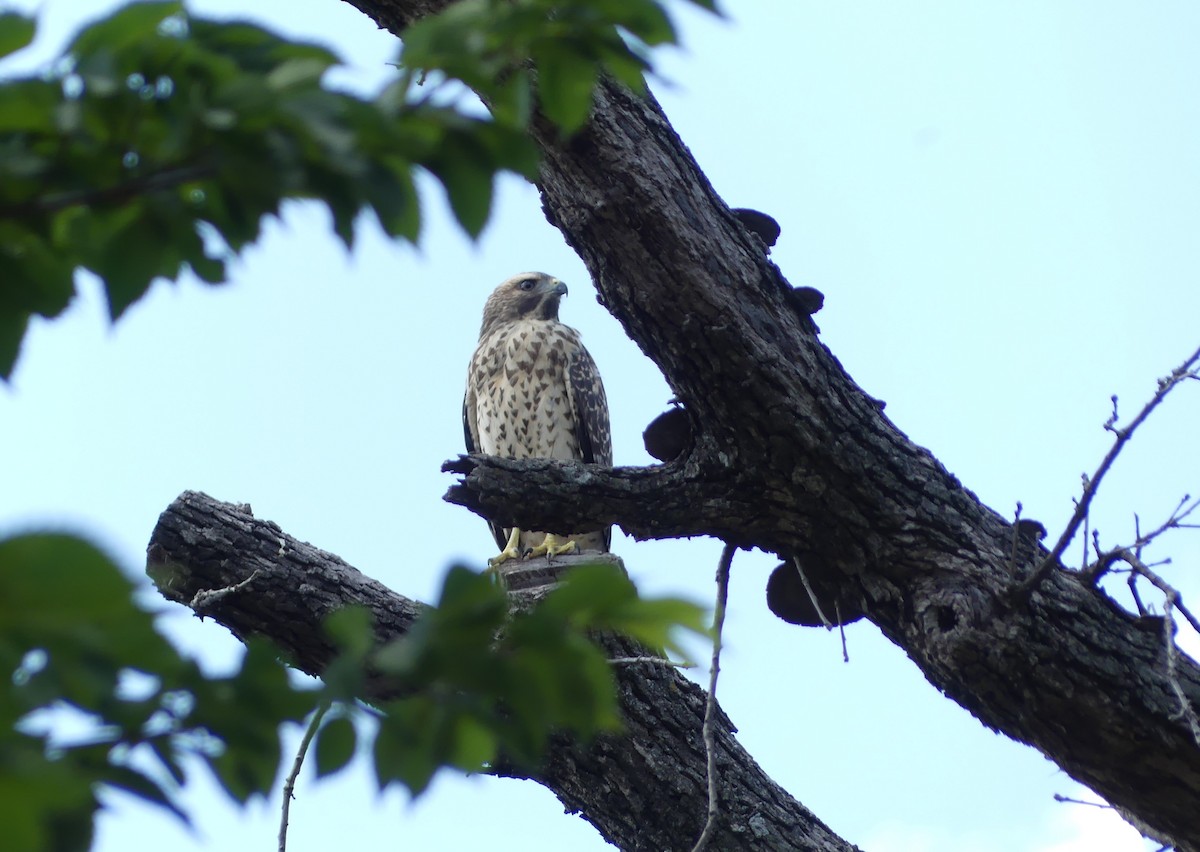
{"points": [[834, 483], [643, 790], [646, 502], [710, 706], [1121, 438], [168, 177]]}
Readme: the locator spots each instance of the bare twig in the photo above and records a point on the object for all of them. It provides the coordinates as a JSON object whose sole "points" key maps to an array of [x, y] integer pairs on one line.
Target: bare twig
{"points": [[1086, 521], [1171, 604], [1016, 536], [1184, 371], [289, 786], [166, 178], [1181, 513], [1162, 585], [207, 597], [1137, 598], [1186, 711], [653, 661], [811, 595], [1058, 797], [710, 707], [837, 608]]}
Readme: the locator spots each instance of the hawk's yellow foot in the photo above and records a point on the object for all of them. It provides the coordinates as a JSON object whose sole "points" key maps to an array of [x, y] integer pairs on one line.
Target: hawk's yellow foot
{"points": [[511, 549], [553, 546]]}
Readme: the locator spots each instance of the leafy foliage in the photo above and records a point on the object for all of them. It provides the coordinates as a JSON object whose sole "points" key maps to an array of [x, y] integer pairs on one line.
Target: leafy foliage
{"points": [[477, 696], [161, 140], [548, 52], [74, 644], [476, 682], [156, 146]]}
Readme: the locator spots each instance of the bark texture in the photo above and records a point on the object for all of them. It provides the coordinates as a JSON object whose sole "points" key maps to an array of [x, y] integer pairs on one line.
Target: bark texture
{"points": [[643, 790], [790, 455]]}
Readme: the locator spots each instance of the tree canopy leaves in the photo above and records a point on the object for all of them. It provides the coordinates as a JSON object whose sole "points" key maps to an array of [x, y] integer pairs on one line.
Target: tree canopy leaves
{"points": [[159, 141], [153, 148]]}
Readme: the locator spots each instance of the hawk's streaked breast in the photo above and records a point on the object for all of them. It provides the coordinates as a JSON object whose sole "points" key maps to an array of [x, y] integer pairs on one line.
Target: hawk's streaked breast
{"points": [[532, 388]]}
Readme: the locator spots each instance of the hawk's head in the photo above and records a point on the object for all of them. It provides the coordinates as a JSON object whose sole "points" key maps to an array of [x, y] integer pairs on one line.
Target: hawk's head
{"points": [[530, 295]]}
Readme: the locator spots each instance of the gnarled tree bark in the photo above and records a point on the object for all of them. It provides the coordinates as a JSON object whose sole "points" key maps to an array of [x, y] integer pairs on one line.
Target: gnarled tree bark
{"points": [[645, 789], [791, 456]]}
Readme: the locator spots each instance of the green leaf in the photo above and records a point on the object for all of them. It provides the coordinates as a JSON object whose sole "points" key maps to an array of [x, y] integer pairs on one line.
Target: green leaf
{"points": [[36, 279], [61, 593], [124, 28], [336, 742], [144, 787], [12, 332], [352, 628], [405, 742], [648, 21], [16, 32], [468, 184], [565, 82], [295, 73], [602, 598], [210, 270], [44, 804], [394, 198], [474, 744]]}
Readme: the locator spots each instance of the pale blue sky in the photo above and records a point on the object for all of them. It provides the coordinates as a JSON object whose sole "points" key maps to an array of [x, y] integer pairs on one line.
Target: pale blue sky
{"points": [[999, 201]]}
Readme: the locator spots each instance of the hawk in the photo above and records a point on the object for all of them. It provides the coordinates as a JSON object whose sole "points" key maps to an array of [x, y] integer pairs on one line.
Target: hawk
{"points": [[533, 391]]}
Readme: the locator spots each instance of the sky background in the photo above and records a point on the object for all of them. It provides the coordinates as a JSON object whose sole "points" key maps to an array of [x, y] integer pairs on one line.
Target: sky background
{"points": [[1000, 202]]}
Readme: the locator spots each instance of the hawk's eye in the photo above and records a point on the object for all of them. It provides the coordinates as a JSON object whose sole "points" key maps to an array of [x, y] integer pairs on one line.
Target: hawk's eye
{"points": [[527, 284]]}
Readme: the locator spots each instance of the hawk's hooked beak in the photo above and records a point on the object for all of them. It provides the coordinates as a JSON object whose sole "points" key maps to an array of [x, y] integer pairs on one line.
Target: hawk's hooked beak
{"points": [[560, 289]]}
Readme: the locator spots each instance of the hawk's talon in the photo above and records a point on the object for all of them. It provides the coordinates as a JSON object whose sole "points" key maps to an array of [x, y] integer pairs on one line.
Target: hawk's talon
{"points": [[511, 550], [553, 546]]}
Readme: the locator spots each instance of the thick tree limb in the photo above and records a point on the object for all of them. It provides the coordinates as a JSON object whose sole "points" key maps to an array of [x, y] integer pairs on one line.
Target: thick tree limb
{"points": [[643, 790], [811, 468], [656, 502]]}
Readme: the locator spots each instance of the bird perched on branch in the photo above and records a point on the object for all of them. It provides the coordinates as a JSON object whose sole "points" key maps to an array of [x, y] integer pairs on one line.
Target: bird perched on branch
{"points": [[533, 391]]}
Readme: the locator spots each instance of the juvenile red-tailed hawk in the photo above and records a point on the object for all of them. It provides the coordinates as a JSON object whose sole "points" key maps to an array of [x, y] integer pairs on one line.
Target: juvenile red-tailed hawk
{"points": [[533, 392]]}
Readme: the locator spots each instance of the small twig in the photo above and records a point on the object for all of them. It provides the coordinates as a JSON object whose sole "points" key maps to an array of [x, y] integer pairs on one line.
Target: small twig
{"points": [[1186, 711], [710, 706], [655, 661], [837, 608], [289, 786], [1159, 583], [1137, 598], [1058, 797], [1174, 522], [165, 178], [1086, 521], [1171, 604], [811, 595], [207, 597], [1179, 374], [1016, 536]]}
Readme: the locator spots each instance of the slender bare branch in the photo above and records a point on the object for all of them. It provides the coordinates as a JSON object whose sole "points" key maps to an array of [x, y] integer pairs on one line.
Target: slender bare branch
{"points": [[289, 786], [710, 707], [168, 177], [1186, 711], [650, 661], [1184, 371], [812, 596]]}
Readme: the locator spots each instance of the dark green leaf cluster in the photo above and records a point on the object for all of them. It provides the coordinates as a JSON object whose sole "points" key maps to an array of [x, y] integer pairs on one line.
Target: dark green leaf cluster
{"points": [[73, 644], [157, 144], [160, 142], [518, 53], [481, 683], [477, 683]]}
